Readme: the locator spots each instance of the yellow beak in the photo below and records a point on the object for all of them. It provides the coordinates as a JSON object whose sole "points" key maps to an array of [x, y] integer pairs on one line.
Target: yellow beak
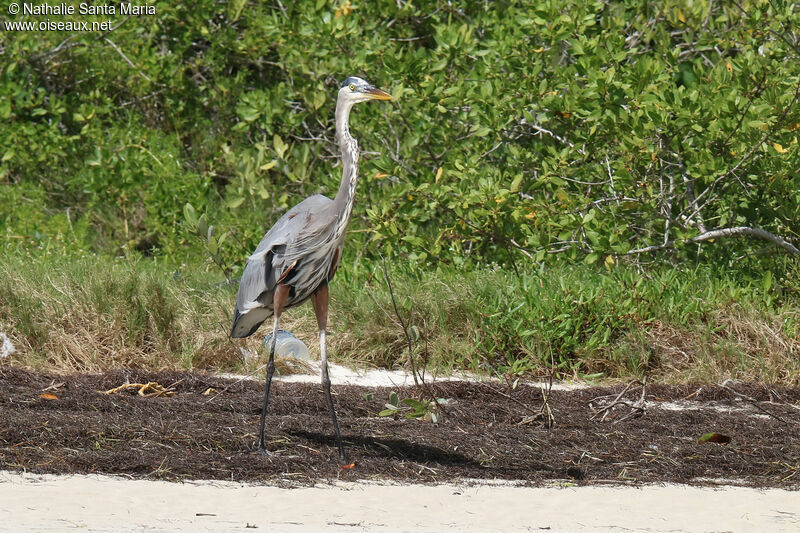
{"points": [[377, 94]]}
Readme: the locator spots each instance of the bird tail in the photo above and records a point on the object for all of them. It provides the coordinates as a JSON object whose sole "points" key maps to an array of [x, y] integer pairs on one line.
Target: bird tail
{"points": [[236, 315], [245, 324]]}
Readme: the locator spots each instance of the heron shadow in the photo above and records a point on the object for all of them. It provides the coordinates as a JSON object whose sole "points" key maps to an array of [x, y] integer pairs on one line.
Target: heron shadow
{"points": [[394, 448]]}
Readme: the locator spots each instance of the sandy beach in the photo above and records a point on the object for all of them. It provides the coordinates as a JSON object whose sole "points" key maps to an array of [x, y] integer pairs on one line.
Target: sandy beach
{"points": [[97, 503], [399, 503]]}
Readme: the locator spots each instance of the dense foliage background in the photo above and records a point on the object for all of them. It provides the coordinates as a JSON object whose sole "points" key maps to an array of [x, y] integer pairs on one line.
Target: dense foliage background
{"points": [[518, 128], [522, 135]]}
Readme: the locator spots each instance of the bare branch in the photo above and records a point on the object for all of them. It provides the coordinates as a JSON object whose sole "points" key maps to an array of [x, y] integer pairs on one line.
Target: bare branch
{"points": [[553, 135], [689, 183], [750, 232], [723, 232], [495, 147], [128, 61], [667, 206], [653, 248]]}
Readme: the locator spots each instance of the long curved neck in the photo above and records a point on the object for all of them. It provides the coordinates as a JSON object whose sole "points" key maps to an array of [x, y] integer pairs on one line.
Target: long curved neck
{"points": [[347, 188]]}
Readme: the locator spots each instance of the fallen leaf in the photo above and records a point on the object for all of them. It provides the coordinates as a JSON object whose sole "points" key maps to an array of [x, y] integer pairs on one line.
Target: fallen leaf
{"points": [[209, 391], [149, 389], [719, 438]]}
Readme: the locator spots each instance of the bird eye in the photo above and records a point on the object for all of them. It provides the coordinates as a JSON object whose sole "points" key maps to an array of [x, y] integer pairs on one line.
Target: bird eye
{"points": [[352, 87]]}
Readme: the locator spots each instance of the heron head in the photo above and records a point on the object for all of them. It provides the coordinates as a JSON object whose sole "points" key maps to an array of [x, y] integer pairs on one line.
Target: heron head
{"points": [[356, 90]]}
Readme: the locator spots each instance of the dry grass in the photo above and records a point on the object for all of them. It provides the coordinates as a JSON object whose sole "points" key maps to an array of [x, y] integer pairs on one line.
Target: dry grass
{"points": [[92, 314], [736, 343], [89, 314]]}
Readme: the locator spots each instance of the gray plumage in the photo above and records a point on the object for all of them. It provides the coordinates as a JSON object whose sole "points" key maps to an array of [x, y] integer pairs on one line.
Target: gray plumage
{"points": [[299, 255], [303, 248], [292, 252]]}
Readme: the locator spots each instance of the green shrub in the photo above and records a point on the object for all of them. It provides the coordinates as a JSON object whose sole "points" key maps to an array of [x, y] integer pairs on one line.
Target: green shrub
{"points": [[519, 131]]}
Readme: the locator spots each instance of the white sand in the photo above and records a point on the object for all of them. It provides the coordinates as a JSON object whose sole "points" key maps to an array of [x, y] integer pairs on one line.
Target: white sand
{"points": [[308, 372], [94, 503], [342, 375]]}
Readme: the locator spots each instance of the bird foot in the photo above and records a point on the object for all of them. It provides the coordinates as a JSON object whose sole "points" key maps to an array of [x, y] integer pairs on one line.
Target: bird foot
{"points": [[262, 449]]}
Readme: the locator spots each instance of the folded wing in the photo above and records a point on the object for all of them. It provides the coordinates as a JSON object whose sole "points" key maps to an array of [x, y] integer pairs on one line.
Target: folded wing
{"points": [[274, 258]]}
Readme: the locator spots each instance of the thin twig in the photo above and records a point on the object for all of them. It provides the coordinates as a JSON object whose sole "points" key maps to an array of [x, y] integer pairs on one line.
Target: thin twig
{"points": [[128, 61], [509, 397], [754, 403], [553, 135], [545, 410], [247, 376], [419, 380], [637, 408], [403, 323]]}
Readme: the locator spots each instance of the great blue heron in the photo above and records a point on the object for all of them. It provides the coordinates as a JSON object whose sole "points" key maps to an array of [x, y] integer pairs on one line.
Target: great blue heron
{"points": [[299, 255]]}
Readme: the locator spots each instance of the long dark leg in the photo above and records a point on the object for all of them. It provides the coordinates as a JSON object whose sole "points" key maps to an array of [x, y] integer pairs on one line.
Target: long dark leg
{"points": [[279, 301], [320, 302]]}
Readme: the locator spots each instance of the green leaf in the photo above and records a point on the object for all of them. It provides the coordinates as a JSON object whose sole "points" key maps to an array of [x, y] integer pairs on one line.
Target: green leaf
{"points": [[397, 92], [279, 145], [766, 281], [189, 214], [202, 226], [414, 404], [234, 201]]}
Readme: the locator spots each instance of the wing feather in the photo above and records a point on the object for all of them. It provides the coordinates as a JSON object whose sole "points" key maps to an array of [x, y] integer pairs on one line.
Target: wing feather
{"points": [[271, 260]]}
